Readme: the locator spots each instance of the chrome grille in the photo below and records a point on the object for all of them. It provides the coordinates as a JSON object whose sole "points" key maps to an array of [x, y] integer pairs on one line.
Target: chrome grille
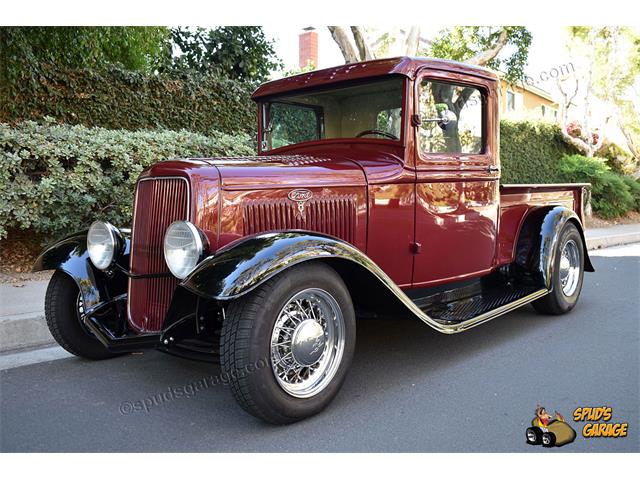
{"points": [[159, 202]]}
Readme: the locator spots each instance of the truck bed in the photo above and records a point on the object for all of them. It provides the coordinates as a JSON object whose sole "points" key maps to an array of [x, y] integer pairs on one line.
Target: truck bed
{"points": [[517, 200]]}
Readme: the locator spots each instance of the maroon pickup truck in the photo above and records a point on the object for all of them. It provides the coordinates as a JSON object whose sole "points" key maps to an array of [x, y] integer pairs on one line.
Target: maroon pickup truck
{"points": [[376, 189]]}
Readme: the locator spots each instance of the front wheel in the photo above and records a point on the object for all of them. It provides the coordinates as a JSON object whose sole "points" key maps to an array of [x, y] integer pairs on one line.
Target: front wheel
{"points": [[286, 346], [62, 308], [567, 274]]}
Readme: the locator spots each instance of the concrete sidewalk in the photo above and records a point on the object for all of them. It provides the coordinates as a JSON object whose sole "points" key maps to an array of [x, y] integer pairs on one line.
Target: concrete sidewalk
{"points": [[22, 323]]}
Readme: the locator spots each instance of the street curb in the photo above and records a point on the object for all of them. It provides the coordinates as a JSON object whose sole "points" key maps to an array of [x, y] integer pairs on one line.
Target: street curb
{"points": [[24, 331], [30, 331], [595, 243]]}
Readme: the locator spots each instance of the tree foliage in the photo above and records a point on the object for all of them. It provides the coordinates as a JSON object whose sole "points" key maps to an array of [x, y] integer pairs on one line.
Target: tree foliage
{"points": [[243, 53], [611, 74], [23, 50], [466, 43]]}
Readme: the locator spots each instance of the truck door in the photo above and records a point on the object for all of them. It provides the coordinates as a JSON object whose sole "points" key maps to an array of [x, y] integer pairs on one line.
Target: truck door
{"points": [[457, 177]]}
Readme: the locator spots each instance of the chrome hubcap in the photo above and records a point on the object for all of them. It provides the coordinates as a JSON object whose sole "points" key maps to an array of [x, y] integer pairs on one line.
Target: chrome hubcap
{"points": [[307, 342], [569, 268]]}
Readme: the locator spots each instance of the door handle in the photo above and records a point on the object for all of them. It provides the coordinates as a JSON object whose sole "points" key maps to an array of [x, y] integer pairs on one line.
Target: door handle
{"points": [[493, 169]]}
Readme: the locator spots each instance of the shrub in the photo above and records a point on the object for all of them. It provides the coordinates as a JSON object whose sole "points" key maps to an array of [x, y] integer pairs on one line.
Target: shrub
{"points": [[58, 178], [618, 159], [530, 151], [119, 99], [634, 189], [610, 194]]}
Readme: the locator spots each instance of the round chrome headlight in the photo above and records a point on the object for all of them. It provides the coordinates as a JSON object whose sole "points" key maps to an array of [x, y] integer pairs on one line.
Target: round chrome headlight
{"points": [[102, 244], [183, 248]]}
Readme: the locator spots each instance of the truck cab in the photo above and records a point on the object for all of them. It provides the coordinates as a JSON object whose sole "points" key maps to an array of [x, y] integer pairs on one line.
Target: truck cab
{"points": [[375, 188]]}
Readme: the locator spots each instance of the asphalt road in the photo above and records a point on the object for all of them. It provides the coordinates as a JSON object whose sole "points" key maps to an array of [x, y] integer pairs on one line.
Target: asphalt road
{"points": [[410, 388]]}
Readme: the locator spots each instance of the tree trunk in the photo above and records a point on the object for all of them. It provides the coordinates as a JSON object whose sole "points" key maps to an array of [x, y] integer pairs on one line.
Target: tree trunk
{"points": [[361, 43], [633, 148], [485, 57], [349, 53], [413, 41]]}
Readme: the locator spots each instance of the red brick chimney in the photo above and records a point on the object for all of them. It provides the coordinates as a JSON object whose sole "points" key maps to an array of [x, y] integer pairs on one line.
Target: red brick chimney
{"points": [[308, 48]]}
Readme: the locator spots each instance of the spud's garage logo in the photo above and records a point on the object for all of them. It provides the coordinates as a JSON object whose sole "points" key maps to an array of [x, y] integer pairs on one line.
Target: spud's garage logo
{"points": [[598, 422], [549, 430]]}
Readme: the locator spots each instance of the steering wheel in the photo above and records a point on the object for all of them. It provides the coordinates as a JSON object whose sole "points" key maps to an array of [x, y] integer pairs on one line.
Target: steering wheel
{"points": [[376, 132]]}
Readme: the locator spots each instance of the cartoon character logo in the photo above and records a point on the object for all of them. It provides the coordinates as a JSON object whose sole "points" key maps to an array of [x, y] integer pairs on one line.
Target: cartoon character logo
{"points": [[301, 196], [549, 430]]}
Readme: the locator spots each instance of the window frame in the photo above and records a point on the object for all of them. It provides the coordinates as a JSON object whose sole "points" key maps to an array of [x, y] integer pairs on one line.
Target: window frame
{"points": [[404, 124], [511, 106], [459, 81]]}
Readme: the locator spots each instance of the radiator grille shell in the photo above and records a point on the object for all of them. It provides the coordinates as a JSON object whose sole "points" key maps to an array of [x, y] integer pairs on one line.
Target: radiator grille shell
{"points": [[159, 202]]}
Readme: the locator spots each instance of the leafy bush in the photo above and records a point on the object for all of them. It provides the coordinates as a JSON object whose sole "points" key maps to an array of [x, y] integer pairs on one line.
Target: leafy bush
{"points": [[119, 99], [618, 159], [634, 189], [610, 194], [530, 151], [58, 178]]}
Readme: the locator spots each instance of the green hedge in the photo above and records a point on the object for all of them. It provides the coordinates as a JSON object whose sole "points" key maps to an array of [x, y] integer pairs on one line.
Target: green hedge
{"points": [[530, 151], [612, 194], [119, 99], [55, 179]]}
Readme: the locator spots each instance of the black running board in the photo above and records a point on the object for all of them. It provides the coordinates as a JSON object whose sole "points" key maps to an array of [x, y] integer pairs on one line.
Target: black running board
{"points": [[450, 324], [461, 315]]}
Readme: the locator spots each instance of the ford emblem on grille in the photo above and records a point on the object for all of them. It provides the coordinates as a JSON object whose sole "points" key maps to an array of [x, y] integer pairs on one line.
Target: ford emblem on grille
{"points": [[300, 196]]}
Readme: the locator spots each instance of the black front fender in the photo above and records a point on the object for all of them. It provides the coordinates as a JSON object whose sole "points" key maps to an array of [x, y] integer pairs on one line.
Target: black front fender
{"points": [[70, 256], [242, 266]]}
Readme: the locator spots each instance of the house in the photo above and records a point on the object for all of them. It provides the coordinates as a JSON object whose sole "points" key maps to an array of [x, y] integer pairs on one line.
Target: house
{"points": [[526, 101]]}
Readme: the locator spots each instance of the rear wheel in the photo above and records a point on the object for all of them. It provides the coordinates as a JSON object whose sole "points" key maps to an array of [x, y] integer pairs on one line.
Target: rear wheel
{"points": [[567, 274], [286, 346], [63, 306]]}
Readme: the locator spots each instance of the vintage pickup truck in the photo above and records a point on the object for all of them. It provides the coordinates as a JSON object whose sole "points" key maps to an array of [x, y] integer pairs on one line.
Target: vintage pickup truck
{"points": [[376, 189]]}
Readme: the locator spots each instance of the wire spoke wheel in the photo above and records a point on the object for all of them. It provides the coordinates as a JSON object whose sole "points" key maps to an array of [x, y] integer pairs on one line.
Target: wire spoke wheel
{"points": [[569, 268], [307, 342]]}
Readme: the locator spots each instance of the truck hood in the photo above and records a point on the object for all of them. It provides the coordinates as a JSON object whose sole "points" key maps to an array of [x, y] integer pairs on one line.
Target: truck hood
{"points": [[282, 171]]}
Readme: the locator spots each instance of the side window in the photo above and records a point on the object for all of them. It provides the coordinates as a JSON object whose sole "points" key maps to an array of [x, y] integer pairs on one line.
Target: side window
{"points": [[451, 118]]}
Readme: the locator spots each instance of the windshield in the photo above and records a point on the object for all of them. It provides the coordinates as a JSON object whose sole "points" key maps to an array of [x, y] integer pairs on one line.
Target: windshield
{"points": [[366, 110]]}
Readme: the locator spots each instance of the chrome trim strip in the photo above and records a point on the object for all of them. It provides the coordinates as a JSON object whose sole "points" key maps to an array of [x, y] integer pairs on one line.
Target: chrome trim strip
{"points": [[263, 256]]}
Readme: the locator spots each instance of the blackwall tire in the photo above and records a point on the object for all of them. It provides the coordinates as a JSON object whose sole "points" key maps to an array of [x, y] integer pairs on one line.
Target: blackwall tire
{"points": [[287, 345], [62, 315], [567, 275]]}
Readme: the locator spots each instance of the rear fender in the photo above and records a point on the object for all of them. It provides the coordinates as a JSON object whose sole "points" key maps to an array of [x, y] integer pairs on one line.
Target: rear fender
{"points": [[540, 234]]}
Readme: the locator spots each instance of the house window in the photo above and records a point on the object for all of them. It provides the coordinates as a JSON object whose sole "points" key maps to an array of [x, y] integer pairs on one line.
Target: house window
{"points": [[451, 118], [544, 110], [511, 101]]}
